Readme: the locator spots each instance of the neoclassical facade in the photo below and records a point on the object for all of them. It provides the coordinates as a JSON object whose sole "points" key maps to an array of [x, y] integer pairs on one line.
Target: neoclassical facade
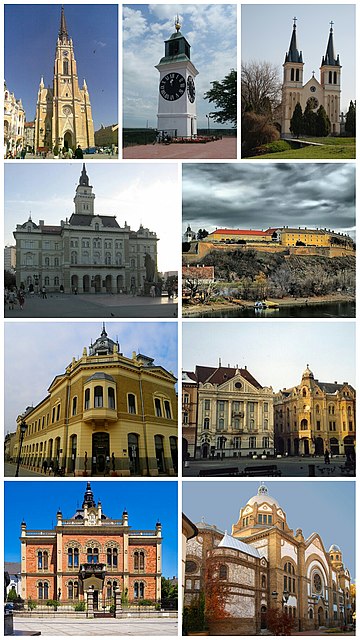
{"points": [[260, 563], [325, 92], [90, 552], [14, 121], [226, 413], [314, 416], [106, 414], [88, 252], [63, 112]]}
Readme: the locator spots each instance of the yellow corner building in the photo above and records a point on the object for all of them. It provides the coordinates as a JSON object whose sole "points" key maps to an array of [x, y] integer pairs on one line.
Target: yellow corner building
{"points": [[105, 415]]}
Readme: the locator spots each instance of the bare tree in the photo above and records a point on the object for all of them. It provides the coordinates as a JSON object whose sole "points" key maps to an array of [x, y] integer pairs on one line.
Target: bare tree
{"points": [[260, 87]]}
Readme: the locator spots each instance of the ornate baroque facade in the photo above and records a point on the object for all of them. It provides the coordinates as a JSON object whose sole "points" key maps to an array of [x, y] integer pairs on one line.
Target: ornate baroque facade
{"points": [[105, 414], [260, 561], [90, 552], [63, 112], [226, 413], [88, 252], [314, 416], [14, 120]]}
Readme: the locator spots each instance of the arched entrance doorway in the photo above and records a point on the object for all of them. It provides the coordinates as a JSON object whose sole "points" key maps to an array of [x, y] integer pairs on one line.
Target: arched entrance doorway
{"points": [[280, 446], [86, 284], [96, 283], [263, 619], [321, 617], [108, 284], [349, 447], [319, 447], [74, 283], [133, 452], [205, 451], [68, 140], [100, 451], [120, 284], [334, 446]]}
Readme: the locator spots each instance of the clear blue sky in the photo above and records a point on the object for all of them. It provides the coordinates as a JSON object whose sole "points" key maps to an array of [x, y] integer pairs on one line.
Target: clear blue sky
{"points": [[267, 28], [321, 506], [146, 502], [50, 347], [276, 352], [211, 32], [133, 192], [31, 32]]}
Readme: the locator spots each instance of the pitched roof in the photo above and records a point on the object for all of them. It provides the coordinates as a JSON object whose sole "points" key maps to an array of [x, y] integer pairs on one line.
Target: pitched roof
{"points": [[219, 375], [84, 220], [230, 542]]}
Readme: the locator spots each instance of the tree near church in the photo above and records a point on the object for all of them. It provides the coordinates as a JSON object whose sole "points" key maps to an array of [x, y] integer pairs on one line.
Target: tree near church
{"points": [[323, 125], [224, 95], [350, 119], [296, 122], [260, 88], [309, 120]]}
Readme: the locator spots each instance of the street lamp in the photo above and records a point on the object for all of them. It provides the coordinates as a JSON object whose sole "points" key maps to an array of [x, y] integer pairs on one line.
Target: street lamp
{"points": [[23, 427], [284, 599], [208, 119]]}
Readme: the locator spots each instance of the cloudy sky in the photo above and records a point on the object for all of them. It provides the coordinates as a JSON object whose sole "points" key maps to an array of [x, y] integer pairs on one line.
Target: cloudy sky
{"points": [[309, 505], [35, 352], [146, 502], [277, 354], [31, 32], [267, 28], [135, 193], [258, 196], [145, 27]]}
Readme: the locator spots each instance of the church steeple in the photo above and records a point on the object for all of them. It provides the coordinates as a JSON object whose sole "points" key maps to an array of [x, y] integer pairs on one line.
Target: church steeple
{"points": [[84, 197], [84, 178], [88, 497], [329, 57], [293, 55], [63, 34]]}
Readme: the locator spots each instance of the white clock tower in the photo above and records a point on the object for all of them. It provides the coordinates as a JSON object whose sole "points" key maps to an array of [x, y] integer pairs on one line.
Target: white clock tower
{"points": [[177, 97]]}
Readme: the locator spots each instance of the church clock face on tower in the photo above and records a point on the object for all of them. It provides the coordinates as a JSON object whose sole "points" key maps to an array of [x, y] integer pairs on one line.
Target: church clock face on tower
{"points": [[172, 86]]}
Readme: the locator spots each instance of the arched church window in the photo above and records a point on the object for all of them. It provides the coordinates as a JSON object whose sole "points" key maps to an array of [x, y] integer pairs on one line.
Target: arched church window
{"points": [[292, 74], [330, 77], [297, 75], [223, 572], [66, 67], [335, 77]]}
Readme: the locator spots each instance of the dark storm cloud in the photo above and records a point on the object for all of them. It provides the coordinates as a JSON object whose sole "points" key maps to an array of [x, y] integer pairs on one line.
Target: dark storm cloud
{"points": [[259, 195]]}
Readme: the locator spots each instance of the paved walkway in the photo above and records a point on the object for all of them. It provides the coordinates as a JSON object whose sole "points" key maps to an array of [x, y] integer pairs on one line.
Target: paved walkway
{"points": [[219, 149], [10, 469], [289, 467], [58, 305], [103, 627]]}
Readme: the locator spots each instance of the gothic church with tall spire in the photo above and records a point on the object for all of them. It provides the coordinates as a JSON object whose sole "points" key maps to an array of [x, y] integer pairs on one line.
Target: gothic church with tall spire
{"points": [[325, 92], [63, 112]]}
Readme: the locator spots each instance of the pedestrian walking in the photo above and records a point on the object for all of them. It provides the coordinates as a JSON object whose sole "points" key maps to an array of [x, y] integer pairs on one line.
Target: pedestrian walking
{"points": [[79, 153], [326, 457], [21, 299], [11, 299], [43, 293]]}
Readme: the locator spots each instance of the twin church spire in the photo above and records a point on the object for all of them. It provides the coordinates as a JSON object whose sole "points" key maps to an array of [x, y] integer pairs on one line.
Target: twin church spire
{"points": [[295, 56]]}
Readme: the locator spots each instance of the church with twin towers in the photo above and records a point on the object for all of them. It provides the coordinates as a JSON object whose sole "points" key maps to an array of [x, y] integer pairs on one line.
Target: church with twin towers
{"points": [[324, 92]]}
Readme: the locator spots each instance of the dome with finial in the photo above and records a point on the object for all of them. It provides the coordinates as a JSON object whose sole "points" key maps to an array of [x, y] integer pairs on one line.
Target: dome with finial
{"points": [[103, 346], [263, 496], [308, 373], [88, 497], [334, 549]]}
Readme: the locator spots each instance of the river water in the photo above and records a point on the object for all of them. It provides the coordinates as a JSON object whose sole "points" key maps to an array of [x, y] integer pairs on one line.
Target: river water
{"points": [[327, 310]]}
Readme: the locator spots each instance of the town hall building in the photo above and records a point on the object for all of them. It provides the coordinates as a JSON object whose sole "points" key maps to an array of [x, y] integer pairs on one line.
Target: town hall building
{"points": [[91, 557], [63, 112], [313, 92], [87, 253]]}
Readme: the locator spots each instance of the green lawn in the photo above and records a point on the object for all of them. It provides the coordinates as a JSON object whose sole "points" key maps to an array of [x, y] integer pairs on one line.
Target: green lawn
{"points": [[331, 149]]}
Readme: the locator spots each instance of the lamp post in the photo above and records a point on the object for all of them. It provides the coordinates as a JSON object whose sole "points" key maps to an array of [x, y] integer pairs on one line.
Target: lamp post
{"points": [[208, 119], [23, 427], [284, 598]]}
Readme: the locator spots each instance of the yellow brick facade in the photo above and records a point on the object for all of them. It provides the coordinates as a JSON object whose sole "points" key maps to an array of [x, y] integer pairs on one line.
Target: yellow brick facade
{"points": [[107, 414]]}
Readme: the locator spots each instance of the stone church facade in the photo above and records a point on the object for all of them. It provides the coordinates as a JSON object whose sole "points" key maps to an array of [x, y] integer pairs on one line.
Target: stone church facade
{"points": [[264, 565], [63, 111], [87, 253], [90, 555], [325, 92]]}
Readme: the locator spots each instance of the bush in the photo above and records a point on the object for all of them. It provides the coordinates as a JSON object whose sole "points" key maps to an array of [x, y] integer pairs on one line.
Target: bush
{"points": [[274, 147], [53, 603], [194, 615], [145, 603], [31, 604], [256, 131], [157, 606], [12, 595], [80, 606]]}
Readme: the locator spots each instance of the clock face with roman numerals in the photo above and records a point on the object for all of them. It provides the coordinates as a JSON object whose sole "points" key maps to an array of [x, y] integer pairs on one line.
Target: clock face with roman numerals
{"points": [[172, 86]]}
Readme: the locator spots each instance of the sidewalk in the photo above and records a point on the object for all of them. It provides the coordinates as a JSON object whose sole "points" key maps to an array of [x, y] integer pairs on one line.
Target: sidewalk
{"points": [[98, 627], [217, 150]]}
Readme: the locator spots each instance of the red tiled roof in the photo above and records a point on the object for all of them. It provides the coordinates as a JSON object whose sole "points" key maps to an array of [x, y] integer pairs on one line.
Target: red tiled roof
{"points": [[242, 232]]}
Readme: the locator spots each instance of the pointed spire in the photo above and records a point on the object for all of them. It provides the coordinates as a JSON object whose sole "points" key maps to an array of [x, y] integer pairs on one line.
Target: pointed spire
{"points": [[103, 333], [293, 55], [329, 58], [84, 178], [63, 34], [88, 497]]}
